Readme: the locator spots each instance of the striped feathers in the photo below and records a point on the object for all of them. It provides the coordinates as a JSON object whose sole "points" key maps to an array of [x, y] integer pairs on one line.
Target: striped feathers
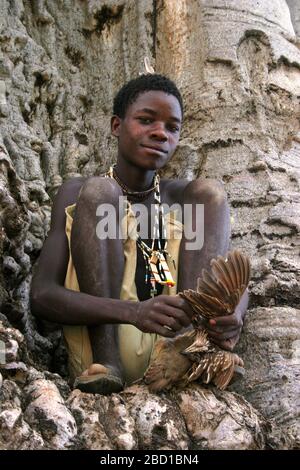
{"points": [[219, 292]]}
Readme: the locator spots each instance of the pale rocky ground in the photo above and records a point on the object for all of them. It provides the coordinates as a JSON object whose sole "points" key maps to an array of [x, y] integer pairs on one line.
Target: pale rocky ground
{"points": [[237, 64]]}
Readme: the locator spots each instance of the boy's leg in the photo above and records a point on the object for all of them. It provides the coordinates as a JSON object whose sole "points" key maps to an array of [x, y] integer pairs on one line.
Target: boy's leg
{"points": [[99, 265], [216, 230]]}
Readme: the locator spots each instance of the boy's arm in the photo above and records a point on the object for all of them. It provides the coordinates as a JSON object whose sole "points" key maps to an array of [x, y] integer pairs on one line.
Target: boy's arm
{"points": [[49, 298]]}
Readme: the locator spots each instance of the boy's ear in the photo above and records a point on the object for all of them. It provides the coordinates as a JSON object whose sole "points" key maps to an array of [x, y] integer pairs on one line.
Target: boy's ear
{"points": [[115, 123]]}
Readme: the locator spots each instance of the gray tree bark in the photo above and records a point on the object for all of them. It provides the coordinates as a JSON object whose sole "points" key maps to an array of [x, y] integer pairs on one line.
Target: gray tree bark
{"points": [[294, 7], [238, 66]]}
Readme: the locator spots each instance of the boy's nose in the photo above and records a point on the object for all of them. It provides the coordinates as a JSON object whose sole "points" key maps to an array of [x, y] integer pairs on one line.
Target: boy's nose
{"points": [[159, 133]]}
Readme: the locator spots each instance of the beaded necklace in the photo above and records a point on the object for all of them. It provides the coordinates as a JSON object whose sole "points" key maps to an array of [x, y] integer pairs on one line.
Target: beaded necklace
{"points": [[155, 257], [139, 195]]}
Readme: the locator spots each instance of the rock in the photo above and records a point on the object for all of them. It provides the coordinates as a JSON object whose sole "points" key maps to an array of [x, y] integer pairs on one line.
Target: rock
{"points": [[222, 421], [91, 431], [118, 422], [47, 412], [158, 423], [10, 341], [16, 434], [270, 349]]}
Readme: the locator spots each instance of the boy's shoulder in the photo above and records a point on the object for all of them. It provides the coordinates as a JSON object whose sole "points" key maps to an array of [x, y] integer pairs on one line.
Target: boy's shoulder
{"points": [[67, 193], [72, 184]]}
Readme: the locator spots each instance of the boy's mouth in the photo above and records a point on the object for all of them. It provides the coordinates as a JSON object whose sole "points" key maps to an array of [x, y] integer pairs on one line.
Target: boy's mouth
{"points": [[152, 147]]}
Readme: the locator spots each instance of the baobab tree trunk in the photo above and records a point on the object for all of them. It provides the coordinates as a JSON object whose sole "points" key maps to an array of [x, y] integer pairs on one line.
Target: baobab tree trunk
{"points": [[238, 66]]}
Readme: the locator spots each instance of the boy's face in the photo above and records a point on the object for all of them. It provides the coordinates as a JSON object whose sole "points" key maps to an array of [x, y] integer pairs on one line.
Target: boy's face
{"points": [[149, 132]]}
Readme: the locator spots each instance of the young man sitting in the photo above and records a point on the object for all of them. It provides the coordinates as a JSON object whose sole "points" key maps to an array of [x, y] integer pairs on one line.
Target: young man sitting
{"points": [[103, 289]]}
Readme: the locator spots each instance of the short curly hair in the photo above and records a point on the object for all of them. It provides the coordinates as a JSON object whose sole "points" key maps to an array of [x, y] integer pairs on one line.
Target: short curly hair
{"points": [[148, 82]]}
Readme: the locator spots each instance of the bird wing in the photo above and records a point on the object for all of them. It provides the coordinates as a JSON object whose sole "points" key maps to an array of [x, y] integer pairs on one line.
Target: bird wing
{"points": [[200, 343], [217, 366], [219, 292]]}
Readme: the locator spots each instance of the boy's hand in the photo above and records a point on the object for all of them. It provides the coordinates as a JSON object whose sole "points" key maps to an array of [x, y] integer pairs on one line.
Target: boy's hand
{"points": [[165, 315], [225, 331]]}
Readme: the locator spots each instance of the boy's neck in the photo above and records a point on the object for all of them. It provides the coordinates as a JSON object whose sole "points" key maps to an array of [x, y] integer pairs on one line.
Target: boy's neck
{"points": [[136, 179]]}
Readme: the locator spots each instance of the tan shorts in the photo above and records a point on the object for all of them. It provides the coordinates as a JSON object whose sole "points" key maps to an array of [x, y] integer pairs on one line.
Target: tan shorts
{"points": [[135, 346]]}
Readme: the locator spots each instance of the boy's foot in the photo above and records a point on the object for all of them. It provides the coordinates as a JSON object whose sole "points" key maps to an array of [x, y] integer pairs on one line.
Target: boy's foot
{"points": [[99, 379]]}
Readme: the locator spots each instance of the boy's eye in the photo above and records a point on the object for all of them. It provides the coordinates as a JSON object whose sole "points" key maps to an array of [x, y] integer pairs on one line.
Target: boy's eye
{"points": [[145, 120], [174, 128]]}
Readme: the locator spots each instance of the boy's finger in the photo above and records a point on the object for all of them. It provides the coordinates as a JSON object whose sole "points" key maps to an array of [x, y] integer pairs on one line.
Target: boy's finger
{"points": [[225, 321], [225, 335], [227, 344]]}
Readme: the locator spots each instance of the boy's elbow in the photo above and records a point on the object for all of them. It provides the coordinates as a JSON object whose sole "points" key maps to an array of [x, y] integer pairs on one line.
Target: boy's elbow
{"points": [[37, 300], [43, 301], [34, 300]]}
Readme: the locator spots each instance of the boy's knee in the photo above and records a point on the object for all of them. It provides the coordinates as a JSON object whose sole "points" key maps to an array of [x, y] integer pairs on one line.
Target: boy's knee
{"points": [[206, 190], [99, 189]]}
